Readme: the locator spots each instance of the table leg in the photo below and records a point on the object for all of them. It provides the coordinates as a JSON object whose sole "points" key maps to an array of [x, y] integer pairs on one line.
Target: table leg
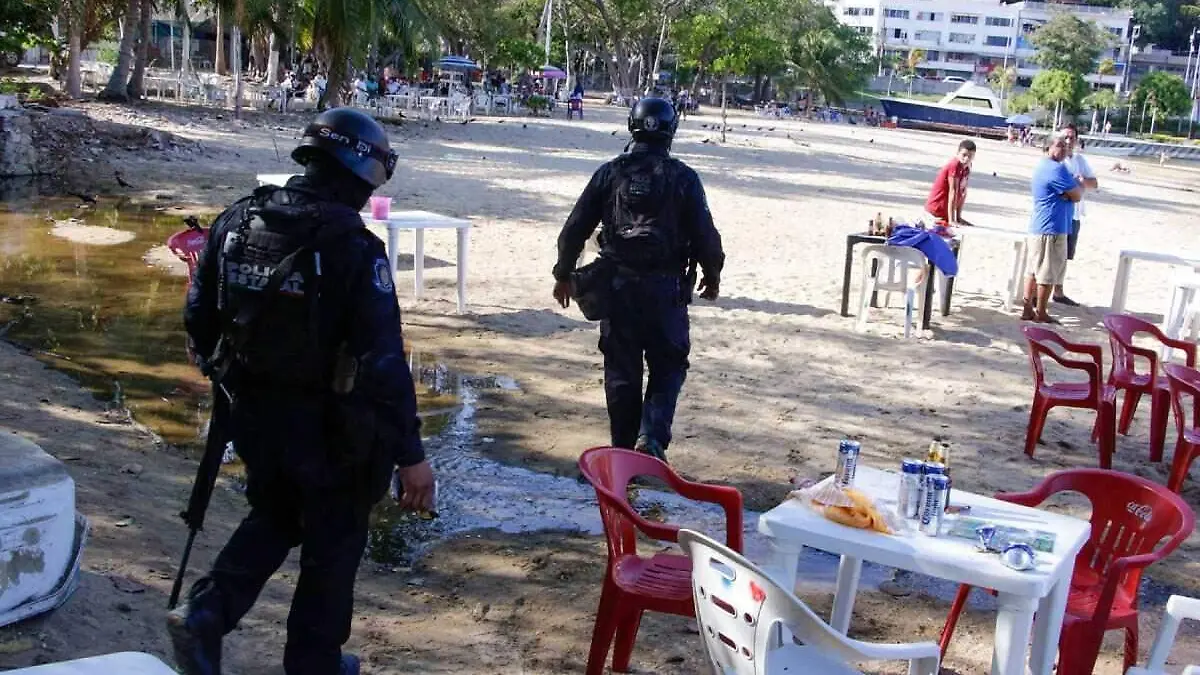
{"points": [[1014, 624], [463, 241], [846, 278], [849, 572], [393, 240], [1047, 627], [1121, 285], [927, 302], [418, 262], [875, 274]]}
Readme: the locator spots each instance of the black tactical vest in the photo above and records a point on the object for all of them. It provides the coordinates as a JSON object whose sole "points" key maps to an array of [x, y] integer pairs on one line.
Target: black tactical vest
{"points": [[270, 289], [644, 232]]}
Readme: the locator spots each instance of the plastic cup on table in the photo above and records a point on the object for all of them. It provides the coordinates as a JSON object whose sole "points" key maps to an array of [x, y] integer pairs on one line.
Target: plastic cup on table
{"points": [[381, 207]]}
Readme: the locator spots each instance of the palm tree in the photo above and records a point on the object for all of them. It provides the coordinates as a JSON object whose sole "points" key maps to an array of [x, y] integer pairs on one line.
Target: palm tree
{"points": [[824, 63], [914, 58], [1102, 99], [1004, 78], [118, 82]]}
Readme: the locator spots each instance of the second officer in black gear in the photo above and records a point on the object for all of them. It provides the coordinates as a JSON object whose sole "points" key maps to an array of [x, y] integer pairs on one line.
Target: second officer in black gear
{"points": [[293, 304], [656, 228]]}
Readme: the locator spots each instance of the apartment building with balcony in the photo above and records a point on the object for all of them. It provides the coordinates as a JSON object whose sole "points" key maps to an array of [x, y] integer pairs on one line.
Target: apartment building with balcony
{"points": [[968, 38]]}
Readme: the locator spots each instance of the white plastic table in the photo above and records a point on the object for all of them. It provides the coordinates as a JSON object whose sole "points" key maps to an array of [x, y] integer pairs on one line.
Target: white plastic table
{"points": [[792, 525], [1015, 288], [279, 179], [124, 663], [1125, 260], [418, 222]]}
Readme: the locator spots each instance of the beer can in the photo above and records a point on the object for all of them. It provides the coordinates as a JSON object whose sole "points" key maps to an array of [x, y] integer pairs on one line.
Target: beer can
{"points": [[909, 498], [847, 462], [933, 505]]}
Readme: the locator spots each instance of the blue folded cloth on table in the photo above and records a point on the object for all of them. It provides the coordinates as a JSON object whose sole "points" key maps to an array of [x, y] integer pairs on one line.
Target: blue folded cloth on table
{"points": [[935, 248]]}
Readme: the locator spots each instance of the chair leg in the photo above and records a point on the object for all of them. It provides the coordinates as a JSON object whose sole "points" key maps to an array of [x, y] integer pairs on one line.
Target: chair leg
{"points": [[1106, 430], [603, 631], [1184, 454], [627, 629], [1160, 410], [1128, 408], [1037, 420], [864, 300], [1131, 647], [960, 601]]}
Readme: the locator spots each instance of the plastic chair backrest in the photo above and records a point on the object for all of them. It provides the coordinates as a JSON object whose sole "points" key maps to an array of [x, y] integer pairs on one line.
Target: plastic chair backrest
{"points": [[1184, 383], [1131, 517], [187, 246], [609, 470], [1122, 328], [738, 607], [1042, 343], [905, 254]]}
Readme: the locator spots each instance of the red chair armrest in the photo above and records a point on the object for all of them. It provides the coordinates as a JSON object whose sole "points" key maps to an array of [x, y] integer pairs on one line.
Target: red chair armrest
{"points": [[1092, 368], [1032, 498], [657, 531], [728, 498], [1187, 347]]}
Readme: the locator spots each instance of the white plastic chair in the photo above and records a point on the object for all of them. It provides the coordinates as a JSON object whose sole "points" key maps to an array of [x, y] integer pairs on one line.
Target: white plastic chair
{"points": [[1178, 608], [741, 611], [124, 663], [897, 262]]}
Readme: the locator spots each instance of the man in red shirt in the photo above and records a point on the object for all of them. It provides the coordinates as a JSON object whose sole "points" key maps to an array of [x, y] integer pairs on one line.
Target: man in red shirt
{"points": [[949, 191]]}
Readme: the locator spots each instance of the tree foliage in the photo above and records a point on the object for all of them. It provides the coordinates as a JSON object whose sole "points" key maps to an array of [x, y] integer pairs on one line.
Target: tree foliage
{"points": [[1101, 99], [1070, 44], [1163, 93], [1054, 88], [1166, 23], [26, 23]]}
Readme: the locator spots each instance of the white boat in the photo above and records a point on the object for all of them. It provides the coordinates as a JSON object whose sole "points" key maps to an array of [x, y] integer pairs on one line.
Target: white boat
{"points": [[971, 106]]}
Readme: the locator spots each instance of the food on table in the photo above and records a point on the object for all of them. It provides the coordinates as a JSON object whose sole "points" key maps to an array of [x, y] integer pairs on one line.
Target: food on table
{"points": [[862, 514]]}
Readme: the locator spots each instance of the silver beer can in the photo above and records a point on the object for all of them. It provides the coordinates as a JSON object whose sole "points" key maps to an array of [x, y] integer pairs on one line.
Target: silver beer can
{"points": [[909, 498], [933, 506]]}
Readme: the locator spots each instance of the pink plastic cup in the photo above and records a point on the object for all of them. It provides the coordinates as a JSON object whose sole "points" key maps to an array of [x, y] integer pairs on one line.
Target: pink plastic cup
{"points": [[381, 207]]}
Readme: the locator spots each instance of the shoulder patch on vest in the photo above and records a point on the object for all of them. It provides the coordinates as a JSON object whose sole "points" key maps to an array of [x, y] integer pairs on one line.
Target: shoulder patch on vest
{"points": [[382, 277]]}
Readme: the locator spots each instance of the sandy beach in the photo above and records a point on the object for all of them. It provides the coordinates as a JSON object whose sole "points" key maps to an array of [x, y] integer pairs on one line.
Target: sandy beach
{"points": [[777, 376]]}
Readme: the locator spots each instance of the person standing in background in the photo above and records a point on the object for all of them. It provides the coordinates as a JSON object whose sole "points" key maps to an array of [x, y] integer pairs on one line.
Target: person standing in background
{"points": [[1079, 167], [1054, 191]]}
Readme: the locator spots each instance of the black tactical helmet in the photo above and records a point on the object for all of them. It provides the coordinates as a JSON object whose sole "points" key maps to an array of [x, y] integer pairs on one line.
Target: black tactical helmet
{"points": [[653, 119], [354, 139]]}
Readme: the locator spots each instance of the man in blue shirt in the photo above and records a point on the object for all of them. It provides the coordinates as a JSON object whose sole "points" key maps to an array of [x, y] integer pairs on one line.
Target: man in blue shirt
{"points": [[1055, 192]]}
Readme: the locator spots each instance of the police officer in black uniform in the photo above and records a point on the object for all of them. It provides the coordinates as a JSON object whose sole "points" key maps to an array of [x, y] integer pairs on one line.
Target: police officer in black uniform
{"points": [[293, 309], [656, 228]]}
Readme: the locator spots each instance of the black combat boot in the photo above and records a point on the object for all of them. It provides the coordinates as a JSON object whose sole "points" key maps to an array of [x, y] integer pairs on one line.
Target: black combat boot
{"points": [[196, 631], [649, 446]]}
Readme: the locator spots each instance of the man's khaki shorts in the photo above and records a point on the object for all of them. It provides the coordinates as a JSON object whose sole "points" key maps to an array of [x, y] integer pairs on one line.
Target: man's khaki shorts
{"points": [[1046, 258]]}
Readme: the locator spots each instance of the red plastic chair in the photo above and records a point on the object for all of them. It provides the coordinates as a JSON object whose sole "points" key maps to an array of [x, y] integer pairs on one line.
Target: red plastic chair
{"points": [[1124, 375], [1130, 517], [574, 107], [1184, 381], [634, 584], [1093, 394], [187, 246]]}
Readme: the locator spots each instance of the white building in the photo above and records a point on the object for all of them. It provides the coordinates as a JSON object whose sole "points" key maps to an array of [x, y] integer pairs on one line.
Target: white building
{"points": [[968, 38]]}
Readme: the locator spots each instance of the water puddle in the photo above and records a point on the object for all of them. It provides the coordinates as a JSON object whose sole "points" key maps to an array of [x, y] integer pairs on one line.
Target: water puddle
{"points": [[91, 290]]}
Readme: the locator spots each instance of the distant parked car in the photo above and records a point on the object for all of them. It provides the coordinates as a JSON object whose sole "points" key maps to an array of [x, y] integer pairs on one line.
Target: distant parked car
{"points": [[954, 79]]}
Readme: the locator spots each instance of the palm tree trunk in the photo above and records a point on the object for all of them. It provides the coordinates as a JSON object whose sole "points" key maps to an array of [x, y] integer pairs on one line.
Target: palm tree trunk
{"points": [[117, 87], [220, 58], [137, 82], [724, 106], [74, 48], [272, 60], [235, 52], [186, 50]]}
